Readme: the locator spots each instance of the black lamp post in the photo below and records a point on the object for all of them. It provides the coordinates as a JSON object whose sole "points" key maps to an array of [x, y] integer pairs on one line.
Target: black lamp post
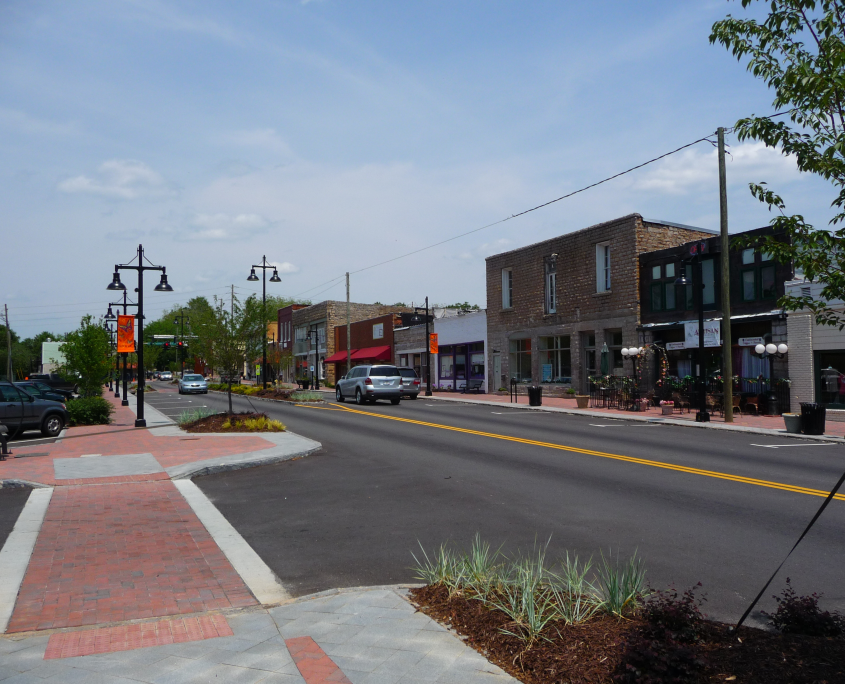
{"points": [[416, 319], [110, 316], [163, 286], [314, 340], [264, 265], [107, 327], [702, 416]]}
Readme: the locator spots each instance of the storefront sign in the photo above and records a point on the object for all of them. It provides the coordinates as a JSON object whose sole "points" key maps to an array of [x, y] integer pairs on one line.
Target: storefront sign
{"points": [[750, 341], [674, 346], [125, 334], [433, 347], [547, 372], [712, 334]]}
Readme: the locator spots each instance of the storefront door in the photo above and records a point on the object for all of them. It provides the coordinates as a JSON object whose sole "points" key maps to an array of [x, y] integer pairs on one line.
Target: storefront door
{"points": [[829, 369]]}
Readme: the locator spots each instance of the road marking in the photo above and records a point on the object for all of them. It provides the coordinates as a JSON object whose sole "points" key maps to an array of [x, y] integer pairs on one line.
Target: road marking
{"points": [[522, 413], [618, 425], [616, 457], [781, 446]]}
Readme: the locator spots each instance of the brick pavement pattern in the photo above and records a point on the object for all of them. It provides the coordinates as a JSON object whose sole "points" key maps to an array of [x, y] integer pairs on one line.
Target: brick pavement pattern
{"points": [[313, 663], [108, 553], [129, 637]]}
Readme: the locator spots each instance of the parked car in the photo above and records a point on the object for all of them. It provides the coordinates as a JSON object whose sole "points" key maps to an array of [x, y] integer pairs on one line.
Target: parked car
{"points": [[369, 384], [55, 381], [20, 411], [410, 383], [66, 394], [42, 392], [166, 375], [192, 384]]}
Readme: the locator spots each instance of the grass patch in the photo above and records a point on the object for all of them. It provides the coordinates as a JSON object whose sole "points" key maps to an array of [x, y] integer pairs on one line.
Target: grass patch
{"points": [[304, 395], [192, 416]]}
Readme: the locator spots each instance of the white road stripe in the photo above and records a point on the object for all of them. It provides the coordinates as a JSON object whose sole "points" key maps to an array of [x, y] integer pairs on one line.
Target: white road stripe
{"points": [[247, 563], [779, 446], [16, 552]]}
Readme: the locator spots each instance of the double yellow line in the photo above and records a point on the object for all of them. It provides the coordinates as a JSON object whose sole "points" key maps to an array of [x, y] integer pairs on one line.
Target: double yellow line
{"points": [[602, 454]]}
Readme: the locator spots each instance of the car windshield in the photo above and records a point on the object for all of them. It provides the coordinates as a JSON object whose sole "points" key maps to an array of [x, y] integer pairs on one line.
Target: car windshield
{"points": [[193, 377], [407, 372], [384, 371], [30, 389]]}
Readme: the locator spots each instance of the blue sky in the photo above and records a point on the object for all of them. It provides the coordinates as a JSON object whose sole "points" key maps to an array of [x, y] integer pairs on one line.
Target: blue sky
{"points": [[331, 135]]}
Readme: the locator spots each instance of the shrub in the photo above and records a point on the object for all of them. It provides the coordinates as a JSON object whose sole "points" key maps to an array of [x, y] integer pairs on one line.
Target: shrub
{"points": [[192, 416], [676, 618], [302, 395], [89, 411], [802, 615]]}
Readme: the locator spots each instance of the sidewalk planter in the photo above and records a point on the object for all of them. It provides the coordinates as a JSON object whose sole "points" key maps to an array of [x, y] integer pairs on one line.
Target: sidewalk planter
{"points": [[812, 418], [535, 396], [792, 422], [667, 410], [582, 400]]}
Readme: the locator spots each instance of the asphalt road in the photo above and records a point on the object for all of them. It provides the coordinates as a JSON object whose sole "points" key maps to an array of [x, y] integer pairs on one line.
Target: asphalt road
{"points": [[354, 513], [12, 501]]}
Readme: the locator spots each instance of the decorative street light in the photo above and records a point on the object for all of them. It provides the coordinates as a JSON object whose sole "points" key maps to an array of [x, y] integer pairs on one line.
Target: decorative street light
{"points": [[107, 327], [634, 353], [264, 265], [110, 316], [314, 340], [696, 251], [416, 319], [162, 286], [176, 321]]}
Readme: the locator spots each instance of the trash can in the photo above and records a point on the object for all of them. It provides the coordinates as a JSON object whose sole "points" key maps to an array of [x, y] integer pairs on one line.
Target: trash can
{"points": [[771, 399], [535, 396], [812, 418]]}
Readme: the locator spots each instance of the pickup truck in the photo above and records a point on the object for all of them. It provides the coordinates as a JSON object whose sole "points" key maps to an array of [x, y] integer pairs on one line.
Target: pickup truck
{"points": [[55, 381]]}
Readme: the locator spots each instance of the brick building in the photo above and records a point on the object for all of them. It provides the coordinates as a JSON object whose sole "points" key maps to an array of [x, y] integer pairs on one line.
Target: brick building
{"points": [[285, 338], [551, 306], [323, 317], [371, 341], [756, 284]]}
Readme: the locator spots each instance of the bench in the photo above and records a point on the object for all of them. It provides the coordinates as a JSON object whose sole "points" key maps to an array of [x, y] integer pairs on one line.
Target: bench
{"points": [[473, 385], [303, 384]]}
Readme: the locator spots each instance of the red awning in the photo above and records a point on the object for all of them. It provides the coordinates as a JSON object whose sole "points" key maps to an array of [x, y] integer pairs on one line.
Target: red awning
{"points": [[372, 354], [339, 357]]}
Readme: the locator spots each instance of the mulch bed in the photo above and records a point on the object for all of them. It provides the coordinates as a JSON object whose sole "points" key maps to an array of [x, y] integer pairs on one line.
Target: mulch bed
{"points": [[215, 423], [591, 653]]}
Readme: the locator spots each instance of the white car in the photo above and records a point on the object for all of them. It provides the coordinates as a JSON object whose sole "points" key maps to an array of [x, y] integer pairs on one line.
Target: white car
{"points": [[166, 375], [192, 383]]}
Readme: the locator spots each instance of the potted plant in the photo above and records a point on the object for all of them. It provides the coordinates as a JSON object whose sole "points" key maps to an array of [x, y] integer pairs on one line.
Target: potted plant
{"points": [[582, 400], [792, 422], [667, 407]]}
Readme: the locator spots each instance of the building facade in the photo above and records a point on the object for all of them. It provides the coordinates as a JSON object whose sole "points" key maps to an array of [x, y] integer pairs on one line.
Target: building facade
{"points": [[670, 314], [371, 341], [285, 341], [553, 305]]}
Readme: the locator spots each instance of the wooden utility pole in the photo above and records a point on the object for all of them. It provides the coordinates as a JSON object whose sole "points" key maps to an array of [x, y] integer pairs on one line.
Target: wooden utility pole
{"points": [[8, 344], [348, 330], [727, 360]]}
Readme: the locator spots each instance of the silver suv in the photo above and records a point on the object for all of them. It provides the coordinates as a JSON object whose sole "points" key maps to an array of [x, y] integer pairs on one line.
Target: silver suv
{"points": [[370, 383]]}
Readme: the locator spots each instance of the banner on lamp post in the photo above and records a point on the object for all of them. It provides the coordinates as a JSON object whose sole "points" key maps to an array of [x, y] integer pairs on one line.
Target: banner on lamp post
{"points": [[125, 334], [712, 334], [433, 347]]}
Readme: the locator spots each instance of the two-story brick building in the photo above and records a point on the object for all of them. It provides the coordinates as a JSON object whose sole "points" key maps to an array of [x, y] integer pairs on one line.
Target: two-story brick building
{"points": [[284, 336], [756, 283], [553, 305]]}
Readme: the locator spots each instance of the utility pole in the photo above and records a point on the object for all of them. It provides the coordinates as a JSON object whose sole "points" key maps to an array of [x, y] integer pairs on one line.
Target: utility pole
{"points": [[348, 330], [8, 344], [727, 360]]}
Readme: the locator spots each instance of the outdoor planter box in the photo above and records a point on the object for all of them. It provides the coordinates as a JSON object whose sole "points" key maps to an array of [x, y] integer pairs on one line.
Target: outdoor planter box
{"points": [[582, 400], [792, 422], [667, 410]]}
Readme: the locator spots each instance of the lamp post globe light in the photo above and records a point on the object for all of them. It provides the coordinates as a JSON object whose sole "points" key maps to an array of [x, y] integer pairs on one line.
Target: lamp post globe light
{"points": [[163, 286], [264, 265]]}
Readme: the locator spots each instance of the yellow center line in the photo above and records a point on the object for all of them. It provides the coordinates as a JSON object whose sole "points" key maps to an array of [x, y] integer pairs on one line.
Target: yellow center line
{"points": [[616, 457]]}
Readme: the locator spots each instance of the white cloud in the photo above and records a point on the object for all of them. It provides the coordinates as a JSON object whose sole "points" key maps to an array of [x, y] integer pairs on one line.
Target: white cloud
{"points": [[121, 179], [696, 169], [213, 227], [285, 267]]}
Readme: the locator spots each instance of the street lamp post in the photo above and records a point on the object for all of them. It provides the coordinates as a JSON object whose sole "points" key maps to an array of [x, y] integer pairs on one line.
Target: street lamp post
{"points": [[110, 316], [416, 319], [163, 286], [264, 265], [314, 340], [107, 327], [179, 322], [702, 416], [634, 353]]}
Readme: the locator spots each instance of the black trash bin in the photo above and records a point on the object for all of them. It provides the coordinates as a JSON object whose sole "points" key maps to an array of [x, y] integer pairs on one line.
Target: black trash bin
{"points": [[771, 399], [535, 396], [812, 418]]}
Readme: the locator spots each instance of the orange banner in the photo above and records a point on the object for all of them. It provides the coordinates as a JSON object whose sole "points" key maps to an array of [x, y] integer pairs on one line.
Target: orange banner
{"points": [[125, 334], [433, 347]]}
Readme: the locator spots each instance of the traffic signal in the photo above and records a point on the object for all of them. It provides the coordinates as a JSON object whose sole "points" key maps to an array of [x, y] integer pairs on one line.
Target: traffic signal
{"points": [[182, 345], [166, 346]]}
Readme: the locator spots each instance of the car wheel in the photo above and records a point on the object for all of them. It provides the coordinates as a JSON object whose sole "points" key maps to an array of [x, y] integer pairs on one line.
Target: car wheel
{"points": [[412, 396], [395, 401], [339, 395], [359, 398], [52, 425]]}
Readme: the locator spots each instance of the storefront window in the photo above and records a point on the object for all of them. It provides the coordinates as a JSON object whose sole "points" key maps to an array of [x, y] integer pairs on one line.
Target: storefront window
{"points": [[447, 363], [461, 362], [767, 282], [520, 360], [555, 359], [749, 286], [613, 339], [829, 377]]}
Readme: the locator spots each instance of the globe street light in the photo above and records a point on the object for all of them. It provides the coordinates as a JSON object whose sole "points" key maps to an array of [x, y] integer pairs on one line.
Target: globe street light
{"points": [[264, 265]]}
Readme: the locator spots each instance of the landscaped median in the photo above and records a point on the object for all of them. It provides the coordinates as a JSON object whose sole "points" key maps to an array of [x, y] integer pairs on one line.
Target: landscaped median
{"points": [[298, 396], [571, 621]]}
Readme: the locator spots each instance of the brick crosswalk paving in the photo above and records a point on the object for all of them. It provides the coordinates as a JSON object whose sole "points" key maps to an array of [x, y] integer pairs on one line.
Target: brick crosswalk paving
{"points": [[108, 553]]}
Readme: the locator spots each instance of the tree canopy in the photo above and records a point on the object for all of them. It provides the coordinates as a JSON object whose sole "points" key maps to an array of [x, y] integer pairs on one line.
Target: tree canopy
{"points": [[88, 359]]}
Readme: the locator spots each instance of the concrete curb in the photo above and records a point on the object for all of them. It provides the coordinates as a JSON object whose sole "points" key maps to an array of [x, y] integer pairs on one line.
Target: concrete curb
{"points": [[646, 419]]}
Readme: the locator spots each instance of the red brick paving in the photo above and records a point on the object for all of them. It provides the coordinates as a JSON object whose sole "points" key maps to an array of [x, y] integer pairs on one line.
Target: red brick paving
{"points": [[121, 552], [129, 637], [313, 663]]}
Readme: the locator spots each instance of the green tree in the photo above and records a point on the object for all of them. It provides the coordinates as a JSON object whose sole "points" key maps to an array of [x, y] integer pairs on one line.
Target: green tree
{"points": [[799, 52], [88, 357]]}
